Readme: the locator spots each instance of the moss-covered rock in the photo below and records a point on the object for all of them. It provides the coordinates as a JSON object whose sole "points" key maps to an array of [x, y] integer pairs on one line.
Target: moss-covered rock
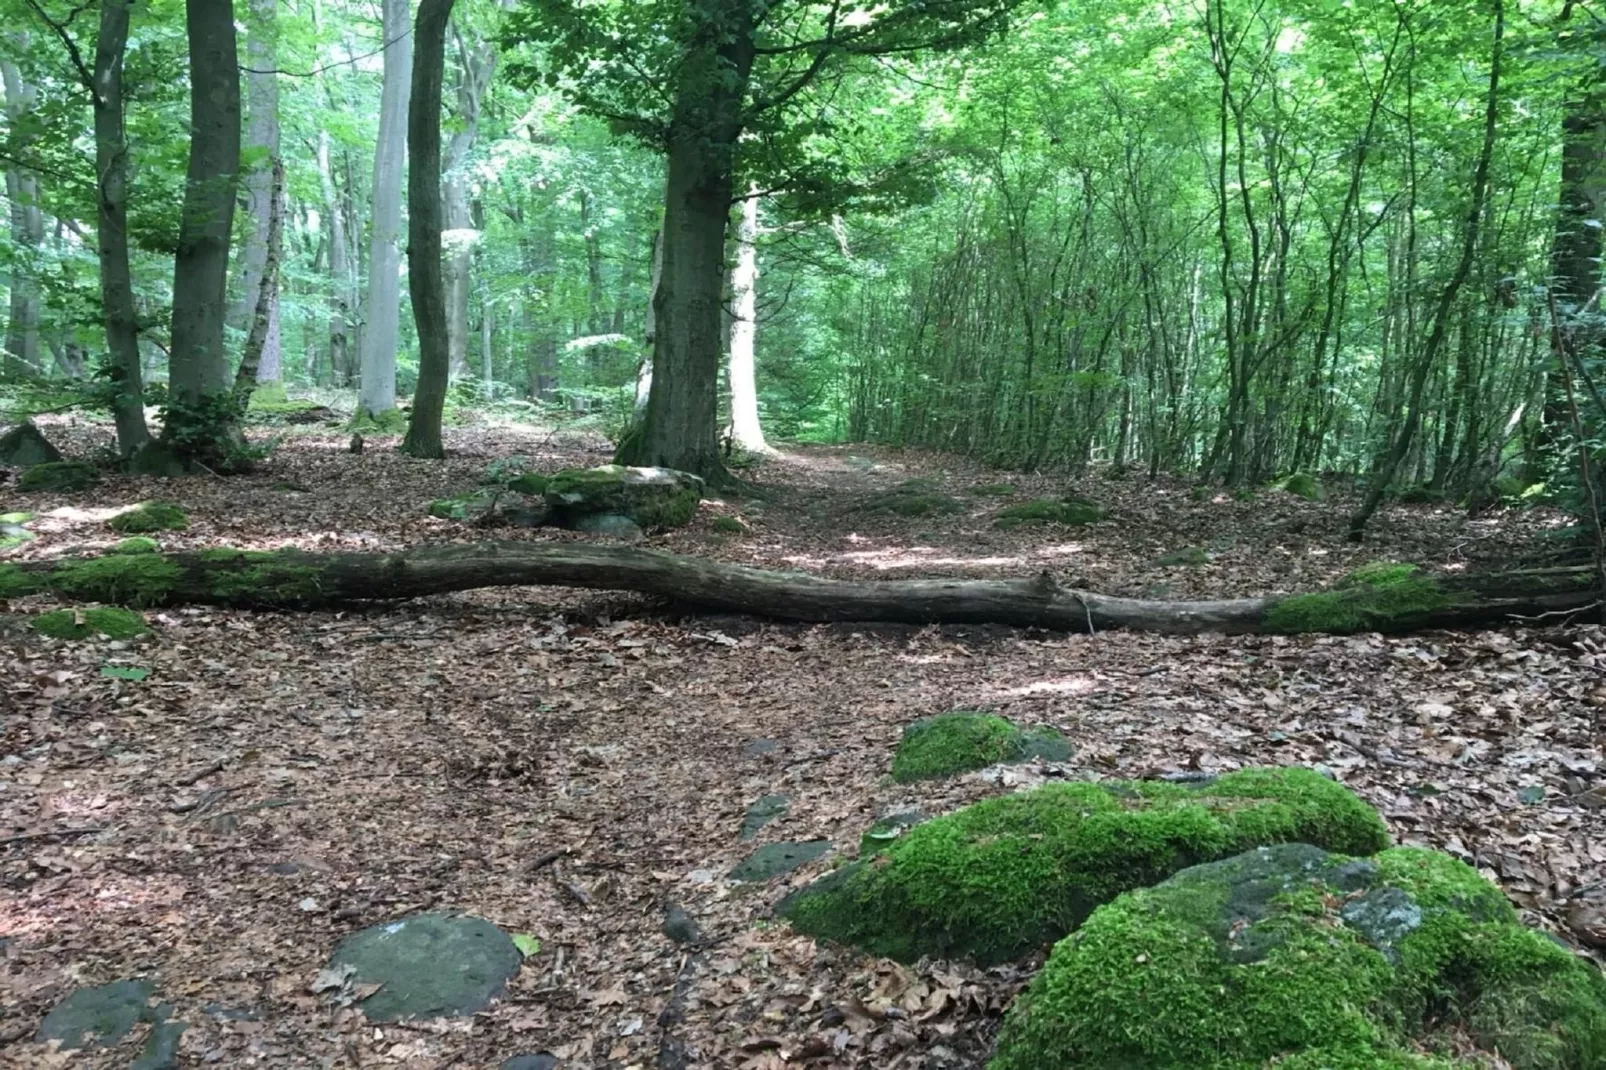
{"points": [[1380, 597], [476, 506], [59, 476], [656, 499], [1288, 956], [913, 498], [150, 516], [1070, 511], [1005, 876], [962, 740], [994, 490], [109, 622], [139, 544], [533, 484], [1302, 485], [1189, 556], [25, 446]]}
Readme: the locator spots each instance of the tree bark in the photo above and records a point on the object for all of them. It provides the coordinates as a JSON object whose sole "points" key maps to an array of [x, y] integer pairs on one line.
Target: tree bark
{"points": [[746, 432], [262, 190], [382, 303], [295, 579], [679, 428], [262, 343], [201, 426], [340, 280], [111, 229], [27, 228], [424, 276], [475, 68]]}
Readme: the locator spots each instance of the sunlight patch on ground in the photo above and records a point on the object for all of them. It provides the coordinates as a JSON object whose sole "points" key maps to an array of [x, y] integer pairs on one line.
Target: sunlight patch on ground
{"points": [[1076, 684], [1064, 549], [919, 556]]}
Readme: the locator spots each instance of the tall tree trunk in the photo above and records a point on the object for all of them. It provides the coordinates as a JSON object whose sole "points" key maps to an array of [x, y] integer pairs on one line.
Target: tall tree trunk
{"points": [[202, 423], [382, 303], [475, 68], [424, 278], [111, 229], [487, 354], [261, 359], [259, 187], [680, 426], [340, 280], [1384, 472], [27, 229], [746, 432], [650, 327]]}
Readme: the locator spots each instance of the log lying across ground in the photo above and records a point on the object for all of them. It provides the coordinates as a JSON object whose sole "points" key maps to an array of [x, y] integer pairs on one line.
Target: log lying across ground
{"points": [[1380, 597]]}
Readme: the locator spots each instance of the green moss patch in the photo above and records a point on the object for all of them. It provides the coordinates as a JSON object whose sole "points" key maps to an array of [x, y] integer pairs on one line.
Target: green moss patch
{"points": [[1380, 597], [389, 422], [1070, 511], [109, 622], [1302, 485], [1006, 876], [729, 525], [472, 507], [913, 498], [655, 499], [1288, 956], [994, 490], [962, 740], [59, 476], [150, 516], [139, 544]]}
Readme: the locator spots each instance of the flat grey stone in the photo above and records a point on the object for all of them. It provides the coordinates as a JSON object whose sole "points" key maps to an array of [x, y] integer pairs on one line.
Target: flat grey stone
{"points": [[161, 1047], [773, 859], [757, 748], [538, 1061], [430, 966], [761, 813], [92, 1017], [680, 926]]}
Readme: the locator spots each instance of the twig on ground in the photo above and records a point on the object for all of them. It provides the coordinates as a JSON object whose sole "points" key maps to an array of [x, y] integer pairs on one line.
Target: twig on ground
{"points": [[200, 774], [547, 859], [51, 835]]}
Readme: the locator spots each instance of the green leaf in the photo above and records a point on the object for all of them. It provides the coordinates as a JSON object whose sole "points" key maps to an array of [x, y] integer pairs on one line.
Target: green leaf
{"points": [[124, 672], [528, 945]]}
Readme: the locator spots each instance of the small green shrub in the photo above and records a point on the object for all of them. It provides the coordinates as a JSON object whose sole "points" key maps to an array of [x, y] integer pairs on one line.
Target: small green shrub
{"points": [[729, 525], [150, 516], [59, 476], [1303, 485], [1005, 876], [109, 622], [139, 544], [961, 740]]}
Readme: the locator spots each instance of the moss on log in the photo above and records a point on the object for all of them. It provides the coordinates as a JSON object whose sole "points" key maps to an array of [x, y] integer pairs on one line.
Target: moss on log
{"points": [[1368, 601]]}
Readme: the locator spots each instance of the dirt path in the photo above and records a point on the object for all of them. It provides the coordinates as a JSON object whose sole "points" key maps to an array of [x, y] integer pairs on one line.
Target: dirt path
{"points": [[361, 766]]}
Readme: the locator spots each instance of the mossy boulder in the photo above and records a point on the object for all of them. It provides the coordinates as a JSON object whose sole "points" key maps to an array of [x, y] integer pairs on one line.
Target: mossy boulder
{"points": [[1288, 956], [1003, 877], [59, 476], [1073, 512], [962, 740], [149, 516], [139, 544], [25, 446], [1302, 485], [913, 498], [109, 621], [656, 499], [1380, 597]]}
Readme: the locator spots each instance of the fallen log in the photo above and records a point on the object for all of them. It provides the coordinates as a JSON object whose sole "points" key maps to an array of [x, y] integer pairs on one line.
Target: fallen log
{"points": [[1380, 597]]}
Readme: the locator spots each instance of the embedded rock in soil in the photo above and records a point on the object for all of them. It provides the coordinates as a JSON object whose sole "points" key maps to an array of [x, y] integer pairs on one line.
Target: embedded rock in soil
{"points": [[962, 740], [654, 499], [773, 859], [25, 446], [887, 830], [913, 498], [612, 525], [539, 1061], [1291, 956], [1006, 876], [757, 748], [99, 1016], [762, 812], [680, 926], [59, 476], [430, 966]]}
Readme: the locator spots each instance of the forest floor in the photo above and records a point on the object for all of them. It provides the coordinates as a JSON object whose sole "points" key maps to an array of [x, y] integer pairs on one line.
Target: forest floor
{"points": [[279, 780]]}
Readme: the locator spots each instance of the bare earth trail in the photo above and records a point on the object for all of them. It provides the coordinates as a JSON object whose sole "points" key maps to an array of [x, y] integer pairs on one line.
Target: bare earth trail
{"points": [[278, 781]]}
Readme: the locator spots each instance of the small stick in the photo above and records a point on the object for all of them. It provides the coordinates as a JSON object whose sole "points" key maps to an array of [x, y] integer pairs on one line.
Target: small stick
{"points": [[27, 836], [200, 774], [547, 859], [574, 890]]}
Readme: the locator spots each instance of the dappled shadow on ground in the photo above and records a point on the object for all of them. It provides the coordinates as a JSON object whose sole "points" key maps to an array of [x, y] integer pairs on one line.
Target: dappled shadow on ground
{"points": [[272, 782]]}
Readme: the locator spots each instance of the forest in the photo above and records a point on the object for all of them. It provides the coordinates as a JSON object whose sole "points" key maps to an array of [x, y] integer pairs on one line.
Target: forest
{"points": [[931, 534]]}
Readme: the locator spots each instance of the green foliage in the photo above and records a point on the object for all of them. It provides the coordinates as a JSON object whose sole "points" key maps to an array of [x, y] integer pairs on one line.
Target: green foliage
{"points": [[728, 525], [994, 490], [150, 516], [1381, 597], [1007, 875], [110, 623], [1303, 485], [1290, 951], [59, 476], [389, 422], [139, 544], [1070, 511], [207, 430], [961, 740]]}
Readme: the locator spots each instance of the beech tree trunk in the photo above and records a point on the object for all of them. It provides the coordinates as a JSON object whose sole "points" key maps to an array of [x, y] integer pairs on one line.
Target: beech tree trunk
{"points": [[27, 227], [200, 426], [262, 194], [746, 432], [475, 67], [424, 277], [382, 303], [295, 579], [341, 288], [111, 229], [261, 359]]}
